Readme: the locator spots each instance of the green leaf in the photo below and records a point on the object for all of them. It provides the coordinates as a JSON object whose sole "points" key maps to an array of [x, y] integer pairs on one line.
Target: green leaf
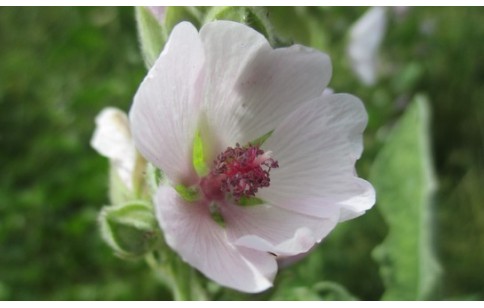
{"points": [[403, 178], [130, 229], [151, 35]]}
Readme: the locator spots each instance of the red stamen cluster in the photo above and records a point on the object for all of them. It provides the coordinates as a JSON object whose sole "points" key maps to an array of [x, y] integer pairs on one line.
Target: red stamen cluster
{"points": [[243, 170]]}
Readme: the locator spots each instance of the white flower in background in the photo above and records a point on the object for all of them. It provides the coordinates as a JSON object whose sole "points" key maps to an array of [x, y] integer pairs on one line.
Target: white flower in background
{"points": [[259, 163], [112, 139], [365, 39]]}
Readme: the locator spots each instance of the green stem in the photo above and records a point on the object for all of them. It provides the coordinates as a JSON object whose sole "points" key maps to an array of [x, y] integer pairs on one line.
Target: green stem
{"points": [[177, 276], [163, 276]]}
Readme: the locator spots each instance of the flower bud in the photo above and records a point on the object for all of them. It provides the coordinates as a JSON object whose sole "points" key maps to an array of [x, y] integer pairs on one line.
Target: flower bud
{"points": [[130, 229]]}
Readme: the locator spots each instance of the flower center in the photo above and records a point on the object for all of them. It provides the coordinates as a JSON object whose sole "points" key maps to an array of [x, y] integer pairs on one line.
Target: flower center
{"points": [[238, 171]]}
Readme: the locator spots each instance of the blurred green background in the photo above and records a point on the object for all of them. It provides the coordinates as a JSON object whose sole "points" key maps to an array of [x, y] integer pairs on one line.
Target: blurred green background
{"points": [[60, 66]]}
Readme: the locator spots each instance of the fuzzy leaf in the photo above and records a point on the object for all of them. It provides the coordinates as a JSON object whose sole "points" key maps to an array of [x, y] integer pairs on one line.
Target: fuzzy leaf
{"points": [[403, 177]]}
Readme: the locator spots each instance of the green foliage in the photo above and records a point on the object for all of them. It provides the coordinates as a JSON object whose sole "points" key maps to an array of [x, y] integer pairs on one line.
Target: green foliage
{"points": [[320, 292], [59, 68], [305, 277], [403, 178]]}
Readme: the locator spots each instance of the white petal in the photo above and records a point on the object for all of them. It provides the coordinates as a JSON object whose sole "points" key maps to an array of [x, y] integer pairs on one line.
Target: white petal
{"points": [[274, 229], [112, 139], [190, 230], [249, 86], [316, 148], [365, 39], [165, 111]]}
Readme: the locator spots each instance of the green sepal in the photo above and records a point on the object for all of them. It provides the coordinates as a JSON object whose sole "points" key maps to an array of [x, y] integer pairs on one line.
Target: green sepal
{"points": [[188, 194], [151, 34], [260, 140], [118, 191], [154, 33], [225, 13], [130, 229], [249, 201], [176, 14], [255, 17]]}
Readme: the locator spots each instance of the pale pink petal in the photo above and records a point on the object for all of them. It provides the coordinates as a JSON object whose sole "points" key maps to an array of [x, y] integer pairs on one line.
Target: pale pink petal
{"points": [[112, 139], [165, 111], [190, 230], [274, 229], [250, 87], [316, 148]]}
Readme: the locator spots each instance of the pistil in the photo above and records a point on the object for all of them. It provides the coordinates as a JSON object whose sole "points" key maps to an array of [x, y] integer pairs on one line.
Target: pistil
{"points": [[238, 172]]}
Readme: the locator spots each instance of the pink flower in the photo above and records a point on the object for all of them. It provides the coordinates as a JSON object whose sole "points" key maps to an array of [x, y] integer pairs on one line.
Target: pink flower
{"points": [[234, 202]]}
